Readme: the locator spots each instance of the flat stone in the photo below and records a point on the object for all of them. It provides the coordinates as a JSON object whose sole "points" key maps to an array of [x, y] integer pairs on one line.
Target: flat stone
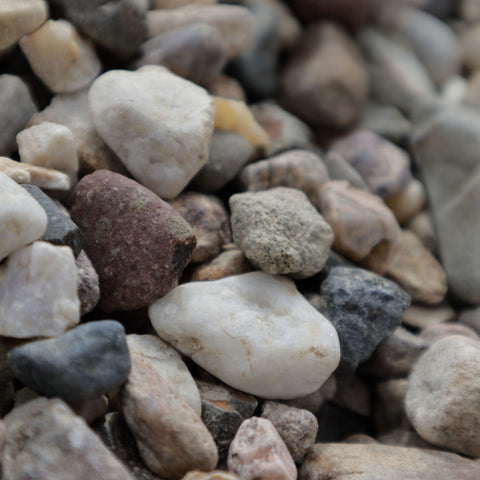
{"points": [[62, 59], [170, 436], [280, 231], [79, 365], [339, 169], [409, 202], [62, 443], [404, 436], [167, 362], [162, 143], [420, 316], [209, 220], [258, 452], [109, 209], [88, 284], [442, 398], [16, 107], [433, 333], [60, 228], [356, 462], [228, 328], [297, 427], [365, 309]]}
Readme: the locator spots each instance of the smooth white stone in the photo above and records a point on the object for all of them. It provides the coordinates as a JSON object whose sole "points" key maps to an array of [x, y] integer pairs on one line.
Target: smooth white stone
{"points": [[158, 124], [60, 57], [38, 292], [255, 332], [22, 219]]}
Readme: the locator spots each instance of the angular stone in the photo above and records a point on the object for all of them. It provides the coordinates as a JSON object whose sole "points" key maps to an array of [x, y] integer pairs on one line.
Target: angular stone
{"points": [[162, 143], [170, 436], [168, 363], [339, 169], [358, 462], [209, 220], [334, 96], [420, 316], [229, 326], [365, 229], [364, 308], [62, 59], [138, 244], [88, 284], [280, 231], [442, 395], [62, 443], [409, 202]]}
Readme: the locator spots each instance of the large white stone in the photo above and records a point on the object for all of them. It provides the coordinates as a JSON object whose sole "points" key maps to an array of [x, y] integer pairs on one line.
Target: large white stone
{"points": [[38, 292], [22, 219], [255, 332], [158, 124]]}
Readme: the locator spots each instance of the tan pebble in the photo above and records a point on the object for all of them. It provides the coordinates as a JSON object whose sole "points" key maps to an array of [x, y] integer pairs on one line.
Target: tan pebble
{"points": [[420, 316], [422, 225], [406, 204]]}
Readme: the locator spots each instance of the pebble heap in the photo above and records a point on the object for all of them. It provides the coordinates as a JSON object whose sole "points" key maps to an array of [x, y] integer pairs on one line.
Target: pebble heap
{"points": [[239, 240]]}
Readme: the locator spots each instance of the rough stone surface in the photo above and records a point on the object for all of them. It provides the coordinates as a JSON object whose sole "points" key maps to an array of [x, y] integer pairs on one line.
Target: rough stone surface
{"points": [[162, 143], [280, 231], [138, 244], [365, 308], [258, 452], [62, 443], [442, 395], [229, 326], [88, 284]]}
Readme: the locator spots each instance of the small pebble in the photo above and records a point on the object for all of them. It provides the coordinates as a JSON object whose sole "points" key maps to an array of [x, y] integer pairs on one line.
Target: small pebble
{"points": [[433, 333], [422, 225], [409, 202], [88, 284]]}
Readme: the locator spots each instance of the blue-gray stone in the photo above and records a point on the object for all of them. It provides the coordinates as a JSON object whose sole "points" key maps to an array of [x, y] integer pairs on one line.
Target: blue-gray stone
{"points": [[82, 364]]}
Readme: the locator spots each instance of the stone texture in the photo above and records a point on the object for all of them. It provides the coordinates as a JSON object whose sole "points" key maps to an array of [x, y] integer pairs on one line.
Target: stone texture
{"points": [[162, 143], [409, 202], [357, 462], [165, 360], [442, 395], [258, 452], [138, 244], [230, 326], [79, 365], [209, 220], [420, 316], [280, 231], [364, 308], [297, 427], [339, 169], [88, 284], [170, 436], [334, 96], [365, 229], [62, 59]]}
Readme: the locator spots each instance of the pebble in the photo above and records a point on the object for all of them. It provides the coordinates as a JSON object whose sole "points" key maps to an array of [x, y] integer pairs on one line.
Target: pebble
{"points": [[280, 231], [170, 436], [88, 284], [314, 401], [331, 97], [297, 427], [339, 169], [165, 360], [16, 107], [390, 411], [62, 443], [227, 87], [432, 333], [442, 395], [91, 410], [422, 225], [135, 265], [409, 202], [470, 10], [420, 316], [258, 452], [60, 57], [215, 475], [364, 308], [228, 326], [209, 221], [60, 228], [366, 231], [79, 365], [162, 143]]}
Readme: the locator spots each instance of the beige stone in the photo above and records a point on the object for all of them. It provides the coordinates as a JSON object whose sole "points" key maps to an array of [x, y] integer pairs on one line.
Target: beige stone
{"points": [[470, 10], [410, 201], [422, 225], [469, 41], [215, 475], [227, 87], [91, 410], [420, 316]]}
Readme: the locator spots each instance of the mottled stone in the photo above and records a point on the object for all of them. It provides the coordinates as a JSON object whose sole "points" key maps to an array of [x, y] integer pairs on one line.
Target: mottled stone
{"points": [[258, 452], [62, 443], [209, 221], [339, 169], [88, 284], [432, 333], [420, 316], [409, 202], [442, 395], [135, 265], [280, 231], [364, 308]]}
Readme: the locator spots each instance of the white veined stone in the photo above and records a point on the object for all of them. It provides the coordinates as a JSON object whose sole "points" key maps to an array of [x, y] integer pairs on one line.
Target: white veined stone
{"points": [[255, 332], [38, 292], [22, 219], [158, 124]]}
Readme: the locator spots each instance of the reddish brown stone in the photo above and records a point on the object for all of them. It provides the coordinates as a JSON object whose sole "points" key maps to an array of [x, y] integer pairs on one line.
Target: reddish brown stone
{"points": [[138, 244]]}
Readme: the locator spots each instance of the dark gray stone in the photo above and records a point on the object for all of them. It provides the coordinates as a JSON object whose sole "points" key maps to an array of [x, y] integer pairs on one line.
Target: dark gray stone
{"points": [[365, 309], [81, 364], [61, 230]]}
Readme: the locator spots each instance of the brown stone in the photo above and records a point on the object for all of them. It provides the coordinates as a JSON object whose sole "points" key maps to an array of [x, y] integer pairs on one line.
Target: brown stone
{"points": [[138, 244], [410, 201]]}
